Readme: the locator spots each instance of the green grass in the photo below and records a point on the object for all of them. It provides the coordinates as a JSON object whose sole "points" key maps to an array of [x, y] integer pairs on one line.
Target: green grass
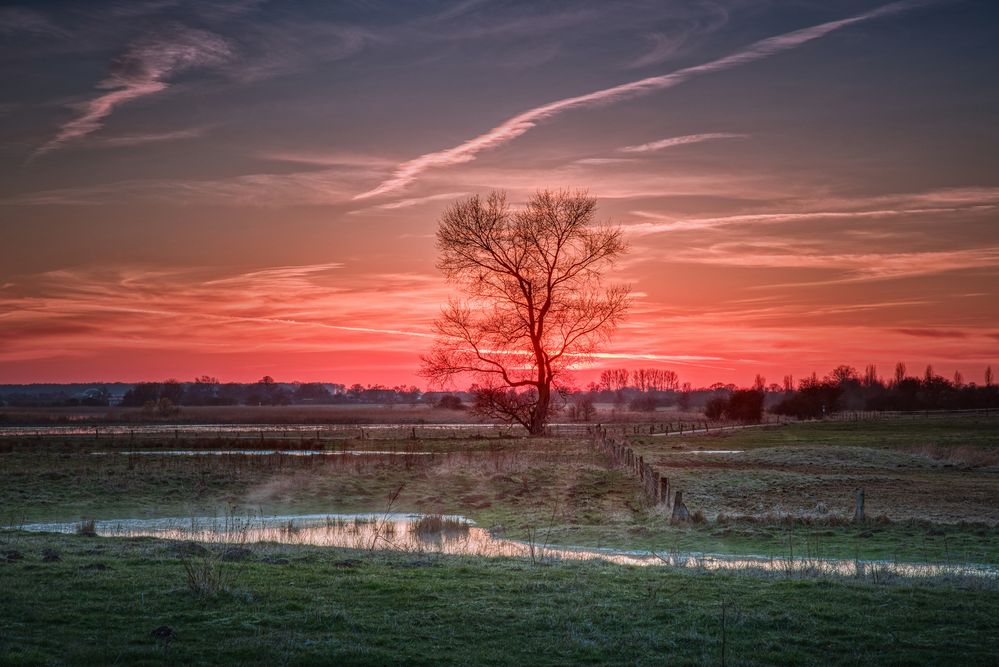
{"points": [[335, 607]]}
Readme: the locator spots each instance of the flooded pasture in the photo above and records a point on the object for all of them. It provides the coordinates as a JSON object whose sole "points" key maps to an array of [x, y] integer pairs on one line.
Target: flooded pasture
{"points": [[456, 535]]}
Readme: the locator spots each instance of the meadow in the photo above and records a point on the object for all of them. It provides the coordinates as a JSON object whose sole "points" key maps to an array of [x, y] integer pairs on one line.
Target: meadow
{"points": [[932, 486]]}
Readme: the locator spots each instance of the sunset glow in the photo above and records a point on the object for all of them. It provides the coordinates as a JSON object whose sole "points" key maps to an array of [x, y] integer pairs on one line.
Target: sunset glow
{"points": [[249, 188]]}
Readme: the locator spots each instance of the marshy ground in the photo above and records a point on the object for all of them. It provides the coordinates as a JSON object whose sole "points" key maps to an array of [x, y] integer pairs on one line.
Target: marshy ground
{"points": [[932, 491]]}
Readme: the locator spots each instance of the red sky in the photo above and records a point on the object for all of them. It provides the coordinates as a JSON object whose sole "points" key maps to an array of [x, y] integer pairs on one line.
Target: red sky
{"points": [[255, 191]]}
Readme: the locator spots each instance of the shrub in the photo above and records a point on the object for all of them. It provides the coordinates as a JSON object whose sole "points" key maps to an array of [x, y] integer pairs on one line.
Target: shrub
{"points": [[715, 408], [745, 405], [450, 402]]}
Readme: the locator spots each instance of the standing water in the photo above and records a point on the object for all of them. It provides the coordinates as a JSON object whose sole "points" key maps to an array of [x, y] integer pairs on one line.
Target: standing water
{"points": [[456, 535]]}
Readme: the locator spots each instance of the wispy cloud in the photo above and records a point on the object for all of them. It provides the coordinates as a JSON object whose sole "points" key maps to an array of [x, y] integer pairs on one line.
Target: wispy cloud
{"points": [[661, 225], [150, 138], [144, 69], [516, 126], [852, 267], [680, 141], [17, 19], [416, 201], [662, 46], [274, 309]]}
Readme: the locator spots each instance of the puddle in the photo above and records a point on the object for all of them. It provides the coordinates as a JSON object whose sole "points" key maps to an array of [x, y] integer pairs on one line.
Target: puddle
{"points": [[262, 452], [456, 535]]}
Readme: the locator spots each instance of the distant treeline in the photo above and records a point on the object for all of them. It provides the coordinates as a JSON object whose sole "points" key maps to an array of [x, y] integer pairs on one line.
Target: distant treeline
{"points": [[642, 390], [844, 388], [206, 391]]}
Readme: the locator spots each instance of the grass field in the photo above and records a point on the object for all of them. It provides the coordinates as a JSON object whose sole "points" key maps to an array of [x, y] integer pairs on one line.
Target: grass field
{"points": [[940, 470], [298, 605], [935, 481]]}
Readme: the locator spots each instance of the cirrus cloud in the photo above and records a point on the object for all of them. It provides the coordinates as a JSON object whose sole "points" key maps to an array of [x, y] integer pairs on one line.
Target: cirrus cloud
{"points": [[144, 69]]}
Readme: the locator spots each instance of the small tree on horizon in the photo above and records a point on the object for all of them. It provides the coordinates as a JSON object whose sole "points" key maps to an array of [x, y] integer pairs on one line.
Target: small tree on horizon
{"points": [[534, 300]]}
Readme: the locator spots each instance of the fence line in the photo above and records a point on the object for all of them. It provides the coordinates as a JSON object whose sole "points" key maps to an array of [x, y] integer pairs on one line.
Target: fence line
{"points": [[654, 485], [877, 415], [312, 433]]}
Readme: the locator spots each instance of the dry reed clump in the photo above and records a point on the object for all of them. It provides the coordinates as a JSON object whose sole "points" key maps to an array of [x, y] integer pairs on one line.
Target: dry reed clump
{"points": [[210, 572], [87, 528], [437, 524]]}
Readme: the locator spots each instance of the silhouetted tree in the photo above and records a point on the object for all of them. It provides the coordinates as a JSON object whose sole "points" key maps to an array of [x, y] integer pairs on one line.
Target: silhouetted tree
{"points": [[871, 376], [683, 400], [899, 372], [843, 374], [715, 407], [812, 400], [535, 299], [614, 379], [745, 405]]}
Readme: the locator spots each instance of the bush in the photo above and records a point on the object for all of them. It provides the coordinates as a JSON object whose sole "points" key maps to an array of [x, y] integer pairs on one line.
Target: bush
{"points": [[450, 402], [745, 405], [715, 408]]}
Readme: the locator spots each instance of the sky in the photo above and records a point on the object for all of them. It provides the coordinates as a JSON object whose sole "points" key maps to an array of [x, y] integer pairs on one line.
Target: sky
{"points": [[243, 187]]}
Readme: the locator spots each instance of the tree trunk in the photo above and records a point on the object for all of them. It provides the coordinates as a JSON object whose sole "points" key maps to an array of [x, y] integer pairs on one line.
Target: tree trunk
{"points": [[539, 417]]}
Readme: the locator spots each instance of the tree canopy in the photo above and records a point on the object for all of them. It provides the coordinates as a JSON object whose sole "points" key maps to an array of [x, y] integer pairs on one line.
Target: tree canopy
{"points": [[534, 301]]}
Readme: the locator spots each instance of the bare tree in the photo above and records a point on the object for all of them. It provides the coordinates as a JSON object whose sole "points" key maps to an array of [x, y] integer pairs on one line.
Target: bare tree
{"points": [[643, 379], [614, 379], [535, 302], [654, 379], [871, 376], [899, 372]]}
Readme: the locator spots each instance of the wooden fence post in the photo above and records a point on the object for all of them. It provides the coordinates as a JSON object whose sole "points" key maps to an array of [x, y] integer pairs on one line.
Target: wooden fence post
{"points": [[680, 512]]}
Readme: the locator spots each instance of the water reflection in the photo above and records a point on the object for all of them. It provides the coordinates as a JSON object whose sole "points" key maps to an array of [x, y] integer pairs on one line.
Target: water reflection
{"points": [[456, 535]]}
